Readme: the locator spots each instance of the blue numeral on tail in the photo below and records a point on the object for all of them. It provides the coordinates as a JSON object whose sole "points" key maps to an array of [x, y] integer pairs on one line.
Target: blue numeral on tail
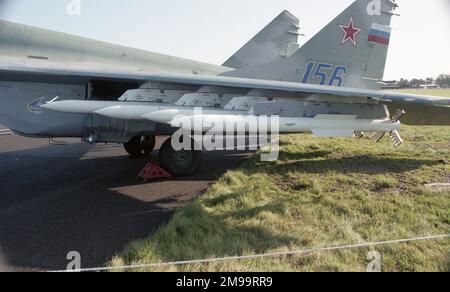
{"points": [[323, 72], [335, 77], [322, 75], [308, 72]]}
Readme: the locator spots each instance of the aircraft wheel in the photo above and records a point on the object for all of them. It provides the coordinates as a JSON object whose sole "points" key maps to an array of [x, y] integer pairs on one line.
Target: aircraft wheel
{"points": [[141, 146], [179, 163]]}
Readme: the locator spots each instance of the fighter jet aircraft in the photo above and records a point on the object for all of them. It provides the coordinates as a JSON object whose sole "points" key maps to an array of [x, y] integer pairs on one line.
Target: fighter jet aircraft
{"points": [[56, 85]]}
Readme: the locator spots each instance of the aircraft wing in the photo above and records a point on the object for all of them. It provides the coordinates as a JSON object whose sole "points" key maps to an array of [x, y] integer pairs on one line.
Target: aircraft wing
{"points": [[53, 71]]}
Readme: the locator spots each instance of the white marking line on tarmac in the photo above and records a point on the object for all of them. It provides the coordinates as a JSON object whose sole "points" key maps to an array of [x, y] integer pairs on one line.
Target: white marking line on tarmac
{"points": [[6, 133], [278, 254]]}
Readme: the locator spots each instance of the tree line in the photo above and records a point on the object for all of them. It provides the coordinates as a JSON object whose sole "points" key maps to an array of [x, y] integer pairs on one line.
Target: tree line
{"points": [[442, 80]]}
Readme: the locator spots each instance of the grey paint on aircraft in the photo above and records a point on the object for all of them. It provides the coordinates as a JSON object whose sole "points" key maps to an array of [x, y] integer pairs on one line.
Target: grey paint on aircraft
{"points": [[279, 39], [30, 43], [20, 109], [364, 60], [37, 65]]}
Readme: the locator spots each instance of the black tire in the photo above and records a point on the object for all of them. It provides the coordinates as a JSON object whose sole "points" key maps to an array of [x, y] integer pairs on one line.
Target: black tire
{"points": [[179, 163], [141, 146]]}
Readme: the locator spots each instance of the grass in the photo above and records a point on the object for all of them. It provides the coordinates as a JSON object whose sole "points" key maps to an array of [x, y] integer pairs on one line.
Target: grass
{"points": [[435, 92], [321, 192]]}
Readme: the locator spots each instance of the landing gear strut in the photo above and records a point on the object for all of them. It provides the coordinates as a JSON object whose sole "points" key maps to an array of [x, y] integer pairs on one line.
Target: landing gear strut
{"points": [[179, 163], [140, 146]]}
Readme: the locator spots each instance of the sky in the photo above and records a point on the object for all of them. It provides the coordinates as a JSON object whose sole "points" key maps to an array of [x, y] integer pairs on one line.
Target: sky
{"points": [[212, 30]]}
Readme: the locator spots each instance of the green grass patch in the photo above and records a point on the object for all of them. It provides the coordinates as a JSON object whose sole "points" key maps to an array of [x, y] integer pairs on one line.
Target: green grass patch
{"points": [[321, 192], [436, 92]]}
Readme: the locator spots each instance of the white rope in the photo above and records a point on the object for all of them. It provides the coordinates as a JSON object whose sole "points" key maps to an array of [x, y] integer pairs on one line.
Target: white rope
{"points": [[277, 254]]}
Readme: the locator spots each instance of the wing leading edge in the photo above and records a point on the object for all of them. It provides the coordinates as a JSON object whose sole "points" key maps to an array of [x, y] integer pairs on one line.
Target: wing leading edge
{"points": [[53, 71]]}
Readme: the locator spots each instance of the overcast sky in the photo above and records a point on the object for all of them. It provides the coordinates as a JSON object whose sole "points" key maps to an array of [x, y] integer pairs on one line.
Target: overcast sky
{"points": [[212, 30]]}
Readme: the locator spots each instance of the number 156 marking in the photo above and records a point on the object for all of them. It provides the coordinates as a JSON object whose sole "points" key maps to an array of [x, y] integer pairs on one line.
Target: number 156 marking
{"points": [[322, 73]]}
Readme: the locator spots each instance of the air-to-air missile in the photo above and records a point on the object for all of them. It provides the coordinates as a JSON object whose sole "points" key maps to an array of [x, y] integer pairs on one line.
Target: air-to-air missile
{"points": [[207, 119]]}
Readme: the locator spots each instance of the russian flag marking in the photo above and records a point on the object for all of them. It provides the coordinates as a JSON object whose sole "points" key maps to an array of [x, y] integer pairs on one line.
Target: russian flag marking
{"points": [[380, 34]]}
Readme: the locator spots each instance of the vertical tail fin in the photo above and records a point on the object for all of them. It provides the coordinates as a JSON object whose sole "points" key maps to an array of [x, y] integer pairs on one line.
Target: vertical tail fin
{"points": [[350, 51], [279, 39]]}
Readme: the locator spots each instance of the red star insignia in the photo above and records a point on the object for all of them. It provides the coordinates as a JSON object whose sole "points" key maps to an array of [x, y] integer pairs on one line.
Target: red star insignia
{"points": [[350, 32]]}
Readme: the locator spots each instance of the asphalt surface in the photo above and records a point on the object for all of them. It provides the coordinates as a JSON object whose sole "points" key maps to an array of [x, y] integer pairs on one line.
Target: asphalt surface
{"points": [[58, 199]]}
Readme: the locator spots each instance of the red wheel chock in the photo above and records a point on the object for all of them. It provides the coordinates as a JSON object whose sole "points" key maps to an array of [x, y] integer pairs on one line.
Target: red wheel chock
{"points": [[153, 171]]}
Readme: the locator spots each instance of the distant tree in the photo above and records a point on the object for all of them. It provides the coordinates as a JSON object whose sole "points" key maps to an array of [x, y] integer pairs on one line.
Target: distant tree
{"points": [[443, 80], [415, 83], [404, 83]]}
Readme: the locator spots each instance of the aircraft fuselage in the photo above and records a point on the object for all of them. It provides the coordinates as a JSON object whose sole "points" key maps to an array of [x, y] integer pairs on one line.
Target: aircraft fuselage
{"points": [[21, 95]]}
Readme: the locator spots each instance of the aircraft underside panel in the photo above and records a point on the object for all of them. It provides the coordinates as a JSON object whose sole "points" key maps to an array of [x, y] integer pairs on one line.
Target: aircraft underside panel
{"points": [[20, 109], [104, 129]]}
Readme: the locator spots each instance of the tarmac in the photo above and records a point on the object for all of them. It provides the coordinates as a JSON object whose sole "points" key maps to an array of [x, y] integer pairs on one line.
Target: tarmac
{"points": [[55, 199]]}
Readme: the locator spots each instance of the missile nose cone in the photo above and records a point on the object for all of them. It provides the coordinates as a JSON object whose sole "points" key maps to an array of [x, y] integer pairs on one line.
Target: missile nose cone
{"points": [[59, 106], [162, 116], [76, 106]]}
